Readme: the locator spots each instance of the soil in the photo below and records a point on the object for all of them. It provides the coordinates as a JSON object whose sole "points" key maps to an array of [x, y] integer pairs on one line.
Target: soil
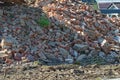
{"points": [[32, 71]]}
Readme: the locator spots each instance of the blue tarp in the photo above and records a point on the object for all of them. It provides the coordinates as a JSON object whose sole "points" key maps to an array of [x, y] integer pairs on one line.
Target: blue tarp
{"points": [[108, 11]]}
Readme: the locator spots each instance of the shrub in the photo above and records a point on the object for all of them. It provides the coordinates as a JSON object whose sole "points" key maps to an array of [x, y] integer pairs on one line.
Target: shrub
{"points": [[43, 21]]}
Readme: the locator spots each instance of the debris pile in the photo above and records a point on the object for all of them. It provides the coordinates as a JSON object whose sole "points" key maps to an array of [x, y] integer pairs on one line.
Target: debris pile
{"points": [[77, 34], [13, 1]]}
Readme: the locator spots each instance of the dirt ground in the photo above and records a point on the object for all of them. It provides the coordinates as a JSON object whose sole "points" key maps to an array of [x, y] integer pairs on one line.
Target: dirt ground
{"points": [[31, 71]]}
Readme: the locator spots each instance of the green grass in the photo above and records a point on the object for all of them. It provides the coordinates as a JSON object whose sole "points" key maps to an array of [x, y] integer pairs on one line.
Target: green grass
{"points": [[76, 63], [98, 78], [43, 21], [95, 6]]}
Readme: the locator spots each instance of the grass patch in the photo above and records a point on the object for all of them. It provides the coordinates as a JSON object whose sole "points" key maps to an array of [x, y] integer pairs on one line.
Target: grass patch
{"points": [[76, 63], [43, 21], [95, 6], [98, 78]]}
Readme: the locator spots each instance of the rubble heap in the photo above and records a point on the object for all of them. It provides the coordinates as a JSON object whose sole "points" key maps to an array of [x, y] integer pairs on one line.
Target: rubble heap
{"points": [[77, 34], [13, 1]]}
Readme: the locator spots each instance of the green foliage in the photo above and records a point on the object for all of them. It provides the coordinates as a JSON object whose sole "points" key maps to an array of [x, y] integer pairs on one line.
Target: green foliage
{"points": [[43, 21], [95, 6], [36, 63], [97, 60], [98, 78], [82, 52], [77, 63]]}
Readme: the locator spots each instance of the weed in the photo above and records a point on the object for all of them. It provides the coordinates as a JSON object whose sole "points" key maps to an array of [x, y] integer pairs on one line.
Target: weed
{"points": [[95, 6], [77, 63], [98, 78], [43, 21]]}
